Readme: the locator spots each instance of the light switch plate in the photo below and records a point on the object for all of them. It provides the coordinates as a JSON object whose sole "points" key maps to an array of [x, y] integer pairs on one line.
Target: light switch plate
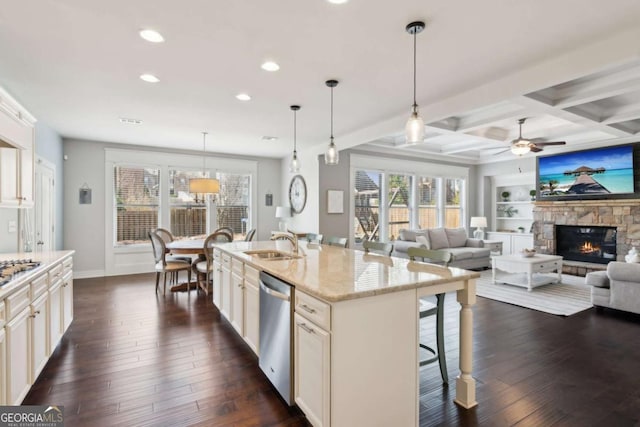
{"points": [[13, 226]]}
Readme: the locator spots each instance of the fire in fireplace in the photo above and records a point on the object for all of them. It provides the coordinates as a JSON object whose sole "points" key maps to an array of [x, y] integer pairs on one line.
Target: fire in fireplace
{"points": [[586, 243]]}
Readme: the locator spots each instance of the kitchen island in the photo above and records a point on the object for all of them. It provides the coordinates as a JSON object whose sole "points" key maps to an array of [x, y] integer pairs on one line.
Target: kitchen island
{"points": [[356, 326]]}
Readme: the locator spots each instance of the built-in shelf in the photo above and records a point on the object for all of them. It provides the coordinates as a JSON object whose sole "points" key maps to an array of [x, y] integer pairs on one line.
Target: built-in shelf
{"points": [[521, 218], [521, 202]]}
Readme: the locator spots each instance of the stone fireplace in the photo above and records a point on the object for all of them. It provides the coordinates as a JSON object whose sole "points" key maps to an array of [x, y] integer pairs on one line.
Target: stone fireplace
{"points": [[621, 214]]}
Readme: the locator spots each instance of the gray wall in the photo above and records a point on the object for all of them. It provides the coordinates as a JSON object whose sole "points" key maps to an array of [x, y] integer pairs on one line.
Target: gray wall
{"points": [[334, 178], [84, 224], [49, 146]]}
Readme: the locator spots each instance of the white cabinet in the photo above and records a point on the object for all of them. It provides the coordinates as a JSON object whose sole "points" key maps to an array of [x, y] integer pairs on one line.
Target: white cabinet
{"points": [[512, 243], [67, 301], [16, 153], [252, 308], [39, 332], [237, 298], [18, 351], [217, 278], [225, 280], [55, 314], [3, 362], [312, 358]]}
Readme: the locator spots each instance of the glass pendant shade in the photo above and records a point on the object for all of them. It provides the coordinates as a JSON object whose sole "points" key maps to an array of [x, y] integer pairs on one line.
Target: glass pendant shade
{"points": [[414, 129], [294, 166], [331, 156]]}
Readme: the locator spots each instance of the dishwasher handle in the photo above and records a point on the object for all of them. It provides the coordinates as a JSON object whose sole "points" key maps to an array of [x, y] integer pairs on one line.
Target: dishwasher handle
{"points": [[274, 293]]}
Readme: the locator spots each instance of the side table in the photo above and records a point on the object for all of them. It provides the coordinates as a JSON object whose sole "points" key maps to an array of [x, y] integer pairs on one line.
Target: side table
{"points": [[495, 246]]}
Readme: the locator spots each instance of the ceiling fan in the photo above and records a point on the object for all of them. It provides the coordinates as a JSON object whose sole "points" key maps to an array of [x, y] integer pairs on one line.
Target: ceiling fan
{"points": [[520, 145]]}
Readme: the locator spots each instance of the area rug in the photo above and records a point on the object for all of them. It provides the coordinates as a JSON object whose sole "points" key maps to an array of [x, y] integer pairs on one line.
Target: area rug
{"points": [[563, 299]]}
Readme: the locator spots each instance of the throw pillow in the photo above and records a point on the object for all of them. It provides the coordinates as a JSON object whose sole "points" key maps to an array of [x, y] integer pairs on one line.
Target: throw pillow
{"points": [[457, 237], [422, 239], [410, 235], [438, 238]]}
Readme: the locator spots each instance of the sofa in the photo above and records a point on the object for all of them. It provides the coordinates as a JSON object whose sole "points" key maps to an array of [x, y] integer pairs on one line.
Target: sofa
{"points": [[466, 253], [618, 287]]}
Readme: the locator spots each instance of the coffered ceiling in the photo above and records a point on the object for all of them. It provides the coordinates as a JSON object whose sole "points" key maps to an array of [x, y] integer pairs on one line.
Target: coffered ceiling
{"points": [[570, 67]]}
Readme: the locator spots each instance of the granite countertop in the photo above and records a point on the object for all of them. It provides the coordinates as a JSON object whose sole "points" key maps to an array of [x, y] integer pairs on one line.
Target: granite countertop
{"points": [[46, 258], [337, 274]]}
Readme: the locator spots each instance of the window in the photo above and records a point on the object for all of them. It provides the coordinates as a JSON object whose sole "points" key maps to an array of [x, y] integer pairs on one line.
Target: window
{"points": [[233, 202], [367, 204], [188, 217], [453, 206], [400, 204], [136, 194], [427, 202]]}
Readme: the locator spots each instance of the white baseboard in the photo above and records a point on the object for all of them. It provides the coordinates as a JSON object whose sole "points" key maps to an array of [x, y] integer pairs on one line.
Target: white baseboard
{"points": [[87, 274]]}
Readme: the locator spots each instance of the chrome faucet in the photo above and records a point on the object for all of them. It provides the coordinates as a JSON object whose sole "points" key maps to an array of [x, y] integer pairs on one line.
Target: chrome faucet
{"points": [[292, 238]]}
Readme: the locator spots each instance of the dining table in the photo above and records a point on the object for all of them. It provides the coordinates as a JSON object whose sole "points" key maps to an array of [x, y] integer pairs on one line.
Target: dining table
{"points": [[186, 247]]}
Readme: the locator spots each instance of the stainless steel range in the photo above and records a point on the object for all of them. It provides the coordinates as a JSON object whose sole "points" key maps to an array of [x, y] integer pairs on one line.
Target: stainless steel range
{"points": [[9, 269]]}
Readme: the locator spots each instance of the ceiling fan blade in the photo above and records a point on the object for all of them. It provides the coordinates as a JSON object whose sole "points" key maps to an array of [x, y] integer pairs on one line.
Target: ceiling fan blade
{"points": [[543, 143], [535, 149]]}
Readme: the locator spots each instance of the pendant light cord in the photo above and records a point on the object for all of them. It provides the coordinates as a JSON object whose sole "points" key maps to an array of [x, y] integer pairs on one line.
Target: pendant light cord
{"points": [[332, 113], [294, 131], [414, 68], [204, 150]]}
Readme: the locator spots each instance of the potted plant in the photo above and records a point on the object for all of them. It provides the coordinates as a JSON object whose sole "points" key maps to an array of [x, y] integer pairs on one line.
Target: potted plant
{"points": [[520, 229], [532, 193], [505, 196]]}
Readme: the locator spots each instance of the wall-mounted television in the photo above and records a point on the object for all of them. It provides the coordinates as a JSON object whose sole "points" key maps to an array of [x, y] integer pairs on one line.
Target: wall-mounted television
{"points": [[601, 173]]}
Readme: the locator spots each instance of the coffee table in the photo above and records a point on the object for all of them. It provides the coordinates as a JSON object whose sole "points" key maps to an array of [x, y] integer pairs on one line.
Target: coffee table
{"points": [[527, 272]]}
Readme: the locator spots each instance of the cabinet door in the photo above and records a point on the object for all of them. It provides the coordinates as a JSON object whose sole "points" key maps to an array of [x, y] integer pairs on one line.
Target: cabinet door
{"points": [[26, 176], [237, 303], [55, 315], [18, 351], [311, 365], [39, 328], [225, 309], [217, 284], [504, 238], [518, 243], [3, 363], [252, 315], [67, 301], [9, 177]]}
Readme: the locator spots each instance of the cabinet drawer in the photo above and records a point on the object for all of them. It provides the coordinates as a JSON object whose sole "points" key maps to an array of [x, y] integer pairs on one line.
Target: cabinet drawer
{"points": [[55, 273], [3, 316], [313, 309], [17, 302], [547, 266], [237, 266], [226, 260], [67, 265], [39, 286], [252, 275]]}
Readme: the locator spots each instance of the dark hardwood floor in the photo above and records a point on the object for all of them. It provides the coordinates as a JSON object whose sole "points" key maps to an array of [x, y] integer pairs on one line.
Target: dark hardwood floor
{"points": [[133, 359]]}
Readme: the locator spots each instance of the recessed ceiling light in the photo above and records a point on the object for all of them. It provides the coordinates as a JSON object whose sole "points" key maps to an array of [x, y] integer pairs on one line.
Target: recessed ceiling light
{"points": [[269, 138], [149, 78], [151, 36], [337, 1], [130, 121], [243, 97], [270, 66]]}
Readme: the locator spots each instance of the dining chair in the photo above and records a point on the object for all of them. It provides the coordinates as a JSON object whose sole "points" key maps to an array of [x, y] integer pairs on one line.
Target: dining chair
{"points": [[164, 266], [377, 247], [336, 241], [427, 309], [250, 234], [167, 237], [227, 230], [204, 268], [314, 238]]}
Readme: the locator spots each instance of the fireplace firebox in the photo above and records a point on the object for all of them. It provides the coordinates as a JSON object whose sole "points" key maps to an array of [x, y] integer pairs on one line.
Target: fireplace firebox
{"points": [[586, 243]]}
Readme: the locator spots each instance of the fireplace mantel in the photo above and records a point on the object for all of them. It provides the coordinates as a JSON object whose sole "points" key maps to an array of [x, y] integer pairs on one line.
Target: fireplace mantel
{"points": [[624, 214]]}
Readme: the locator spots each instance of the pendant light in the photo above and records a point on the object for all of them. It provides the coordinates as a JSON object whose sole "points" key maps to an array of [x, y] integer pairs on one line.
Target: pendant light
{"points": [[331, 156], [414, 129], [295, 163], [204, 185]]}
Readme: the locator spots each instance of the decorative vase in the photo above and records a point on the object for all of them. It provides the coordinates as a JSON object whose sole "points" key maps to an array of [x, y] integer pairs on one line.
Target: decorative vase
{"points": [[633, 256]]}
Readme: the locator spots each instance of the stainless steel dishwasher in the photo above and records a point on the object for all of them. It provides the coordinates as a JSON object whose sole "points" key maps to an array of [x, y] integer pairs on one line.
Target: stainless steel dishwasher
{"points": [[276, 324]]}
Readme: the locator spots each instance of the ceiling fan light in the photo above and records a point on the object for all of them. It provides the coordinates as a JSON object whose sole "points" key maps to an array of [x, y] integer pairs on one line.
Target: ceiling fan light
{"points": [[331, 156], [520, 147], [414, 129]]}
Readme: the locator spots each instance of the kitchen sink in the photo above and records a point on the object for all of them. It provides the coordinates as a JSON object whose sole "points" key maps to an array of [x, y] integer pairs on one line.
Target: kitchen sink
{"points": [[272, 255]]}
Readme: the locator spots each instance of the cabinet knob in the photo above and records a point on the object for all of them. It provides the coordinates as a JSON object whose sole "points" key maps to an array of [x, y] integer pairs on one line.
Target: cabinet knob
{"points": [[307, 308], [306, 328]]}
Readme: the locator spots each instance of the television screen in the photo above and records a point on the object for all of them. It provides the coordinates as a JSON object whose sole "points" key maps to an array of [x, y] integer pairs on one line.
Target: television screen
{"points": [[598, 172]]}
